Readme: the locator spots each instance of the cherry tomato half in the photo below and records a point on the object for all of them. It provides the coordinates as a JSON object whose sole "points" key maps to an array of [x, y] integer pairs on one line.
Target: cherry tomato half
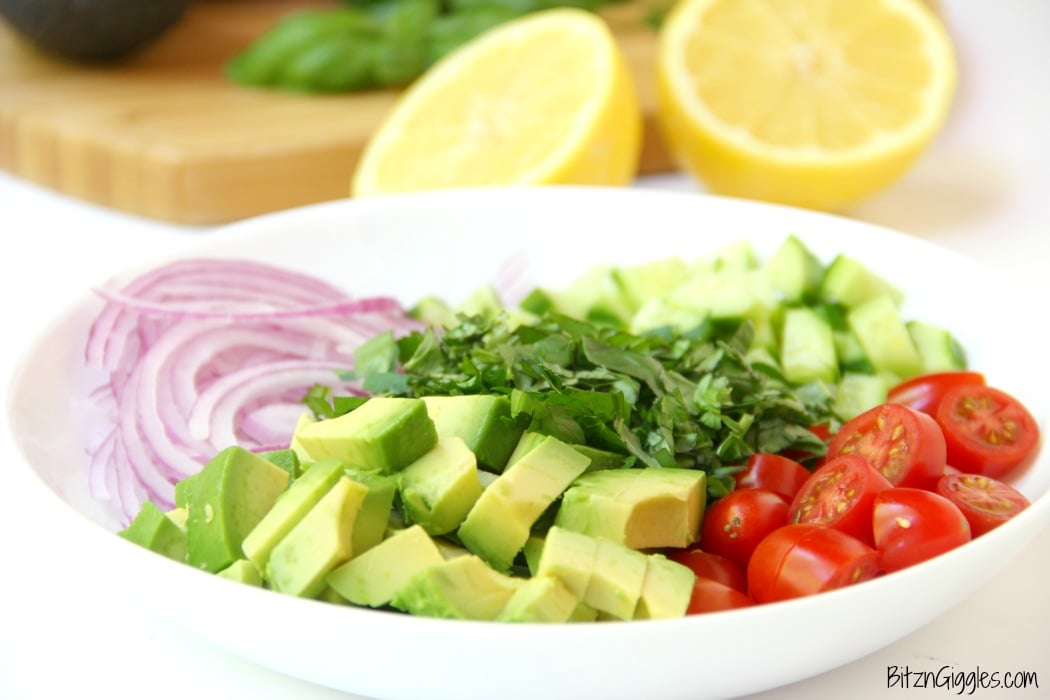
{"points": [[913, 525], [773, 472], [986, 503], [906, 446], [712, 566], [738, 521], [799, 560], [840, 494], [924, 393], [711, 596], [987, 431]]}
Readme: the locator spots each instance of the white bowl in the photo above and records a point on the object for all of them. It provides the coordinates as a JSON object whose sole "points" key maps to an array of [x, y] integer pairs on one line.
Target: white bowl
{"points": [[448, 243]]}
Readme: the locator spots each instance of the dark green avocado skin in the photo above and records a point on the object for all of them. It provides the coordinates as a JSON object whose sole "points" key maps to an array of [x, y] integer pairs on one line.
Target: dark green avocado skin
{"points": [[92, 30]]}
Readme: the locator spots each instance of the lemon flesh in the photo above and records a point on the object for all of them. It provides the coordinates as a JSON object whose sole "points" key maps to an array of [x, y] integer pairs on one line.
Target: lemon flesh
{"points": [[545, 99], [816, 103]]}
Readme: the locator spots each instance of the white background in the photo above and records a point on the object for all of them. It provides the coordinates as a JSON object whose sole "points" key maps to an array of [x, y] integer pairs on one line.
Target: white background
{"points": [[982, 189]]}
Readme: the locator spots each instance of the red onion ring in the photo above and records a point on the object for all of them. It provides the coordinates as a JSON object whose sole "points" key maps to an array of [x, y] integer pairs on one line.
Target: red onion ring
{"points": [[200, 354]]}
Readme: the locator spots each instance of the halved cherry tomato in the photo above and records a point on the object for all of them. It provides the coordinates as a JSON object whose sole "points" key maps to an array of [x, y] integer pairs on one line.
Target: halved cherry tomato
{"points": [[738, 521], [913, 525], [773, 472], [712, 566], [924, 392], [987, 431], [799, 560], [905, 445], [840, 494], [986, 503], [711, 596]]}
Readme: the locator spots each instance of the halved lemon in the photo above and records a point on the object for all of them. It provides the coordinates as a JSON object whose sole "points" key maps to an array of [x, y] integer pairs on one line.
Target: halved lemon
{"points": [[544, 99], [814, 103]]}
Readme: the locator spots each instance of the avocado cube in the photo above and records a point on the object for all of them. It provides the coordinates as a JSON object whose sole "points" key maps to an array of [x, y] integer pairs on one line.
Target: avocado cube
{"points": [[305, 419], [539, 599], [287, 460], [568, 556], [463, 588], [289, 508], [440, 488], [374, 577], [616, 581], [385, 434], [640, 508], [482, 421], [230, 495], [666, 590], [500, 522], [318, 543], [242, 571], [184, 490], [157, 532], [373, 516]]}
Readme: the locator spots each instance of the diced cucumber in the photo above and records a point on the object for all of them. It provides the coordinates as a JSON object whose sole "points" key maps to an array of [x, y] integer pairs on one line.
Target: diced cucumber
{"points": [[483, 301], [736, 256], [794, 271], [807, 347], [857, 393], [884, 337], [849, 282], [851, 354], [727, 294], [649, 280], [659, 313], [434, 312], [597, 297], [939, 349]]}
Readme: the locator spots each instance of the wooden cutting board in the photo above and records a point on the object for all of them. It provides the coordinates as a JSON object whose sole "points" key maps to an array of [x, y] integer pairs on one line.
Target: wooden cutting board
{"points": [[165, 136]]}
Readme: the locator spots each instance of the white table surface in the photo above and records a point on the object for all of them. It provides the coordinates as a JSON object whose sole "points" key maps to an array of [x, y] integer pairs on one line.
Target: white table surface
{"points": [[982, 189]]}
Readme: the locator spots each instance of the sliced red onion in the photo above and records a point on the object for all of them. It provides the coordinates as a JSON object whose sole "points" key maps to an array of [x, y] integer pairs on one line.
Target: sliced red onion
{"points": [[204, 353]]}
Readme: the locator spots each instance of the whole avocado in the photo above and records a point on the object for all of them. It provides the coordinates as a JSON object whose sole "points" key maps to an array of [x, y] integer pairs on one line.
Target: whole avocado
{"points": [[92, 30]]}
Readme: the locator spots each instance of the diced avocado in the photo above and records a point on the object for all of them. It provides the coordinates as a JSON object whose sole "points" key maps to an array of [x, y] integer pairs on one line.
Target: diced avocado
{"points": [[179, 516], [434, 312], [289, 508], [501, 520], [849, 282], [318, 543], [384, 434], [376, 510], [155, 531], [886, 341], [295, 446], [600, 459], [539, 599], [328, 595], [938, 348], [529, 439], [807, 347], [794, 271], [230, 496], [440, 488], [482, 421], [532, 550], [857, 393], [640, 508], [287, 460], [184, 490], [463, 588], [374, 577], [666, 589], [242, 571], [649, 280], [569, 556], [616, 580]]}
